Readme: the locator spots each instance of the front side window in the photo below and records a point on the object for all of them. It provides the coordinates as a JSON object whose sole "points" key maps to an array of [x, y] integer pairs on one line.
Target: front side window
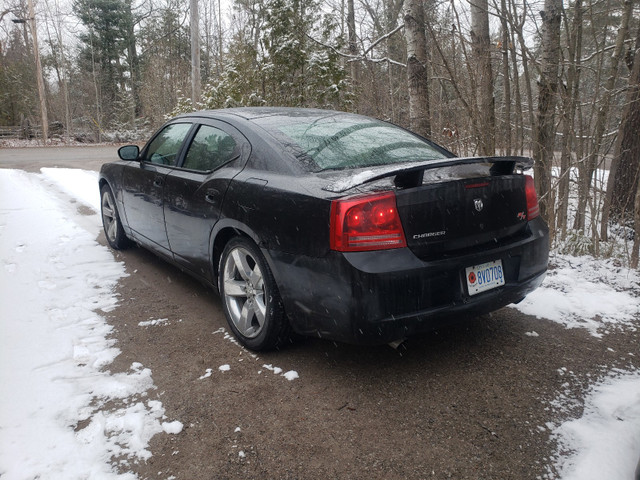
{"points": [[210, 149], [164, 148]]}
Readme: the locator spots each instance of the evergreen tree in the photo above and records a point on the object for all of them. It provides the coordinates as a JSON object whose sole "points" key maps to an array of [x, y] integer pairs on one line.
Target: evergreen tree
{"points": [[287, 67], [107, 51], [18, 93]]}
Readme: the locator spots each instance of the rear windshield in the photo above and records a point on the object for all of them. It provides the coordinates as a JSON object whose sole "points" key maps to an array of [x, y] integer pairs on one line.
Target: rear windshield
{"points": [[345, 142]]}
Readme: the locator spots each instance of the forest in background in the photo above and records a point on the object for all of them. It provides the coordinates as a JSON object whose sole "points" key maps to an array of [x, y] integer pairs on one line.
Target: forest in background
{"points": [[553, 80]]}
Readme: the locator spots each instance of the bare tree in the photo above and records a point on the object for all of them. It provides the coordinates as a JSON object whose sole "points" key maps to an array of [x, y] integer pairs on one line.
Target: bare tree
{"points": [[132, 57], [635, 251], [482, 54], [587, 168], [39, 76], [417, 75], [518, 114], [59, 60], [570, 98], [547, 98], [195, 53], [624, 175], [506, 78], [517, 23], [353, 42]]}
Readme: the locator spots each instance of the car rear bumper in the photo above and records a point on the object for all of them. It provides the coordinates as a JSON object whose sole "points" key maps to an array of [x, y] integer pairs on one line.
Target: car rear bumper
{"points": [[378, 297]]}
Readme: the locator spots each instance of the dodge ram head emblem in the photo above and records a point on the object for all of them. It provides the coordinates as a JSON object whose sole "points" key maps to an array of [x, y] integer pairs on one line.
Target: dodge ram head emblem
{"points": [[478, 204]]}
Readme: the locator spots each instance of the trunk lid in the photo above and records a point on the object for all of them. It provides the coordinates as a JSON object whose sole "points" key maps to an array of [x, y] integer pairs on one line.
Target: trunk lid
{"points": [[452, 205], [452, 216]]}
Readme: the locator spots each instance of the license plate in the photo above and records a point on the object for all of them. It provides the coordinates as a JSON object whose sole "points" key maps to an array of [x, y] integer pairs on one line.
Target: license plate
{"points": [[486, 276]]}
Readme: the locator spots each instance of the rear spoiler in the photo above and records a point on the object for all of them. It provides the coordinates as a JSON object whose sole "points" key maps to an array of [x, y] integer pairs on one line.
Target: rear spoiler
{"points": [[410, 174]]}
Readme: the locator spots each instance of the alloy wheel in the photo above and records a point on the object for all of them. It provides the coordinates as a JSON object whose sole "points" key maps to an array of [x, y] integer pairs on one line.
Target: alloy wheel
{"points": [[244, 292], [109, 219]]}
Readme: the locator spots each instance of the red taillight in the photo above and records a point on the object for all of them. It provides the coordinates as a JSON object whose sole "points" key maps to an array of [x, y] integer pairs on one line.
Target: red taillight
{"points": [[533, 209], [366, 223]]}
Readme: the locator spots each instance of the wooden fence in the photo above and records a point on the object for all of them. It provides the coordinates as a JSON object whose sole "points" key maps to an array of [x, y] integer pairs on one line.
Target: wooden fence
{"points": [[10, 132]]}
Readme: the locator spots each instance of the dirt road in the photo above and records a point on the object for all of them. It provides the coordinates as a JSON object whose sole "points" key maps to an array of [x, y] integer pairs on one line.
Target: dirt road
{"points": [[466, 402]]}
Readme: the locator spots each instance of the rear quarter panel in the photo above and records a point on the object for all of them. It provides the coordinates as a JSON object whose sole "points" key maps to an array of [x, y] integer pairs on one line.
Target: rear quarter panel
{"points": [[281, 214]]}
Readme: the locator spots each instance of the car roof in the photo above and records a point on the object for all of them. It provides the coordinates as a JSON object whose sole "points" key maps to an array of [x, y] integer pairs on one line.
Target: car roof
{"points": [[253, 113], [261, 126]]}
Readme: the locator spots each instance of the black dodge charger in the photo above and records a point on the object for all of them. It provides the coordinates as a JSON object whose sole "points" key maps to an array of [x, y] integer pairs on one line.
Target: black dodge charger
{"points": [[329, 224]]}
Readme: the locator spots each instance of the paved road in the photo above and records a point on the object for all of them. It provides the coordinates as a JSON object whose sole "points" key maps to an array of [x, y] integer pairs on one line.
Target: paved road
{"points": [[32, 159]]}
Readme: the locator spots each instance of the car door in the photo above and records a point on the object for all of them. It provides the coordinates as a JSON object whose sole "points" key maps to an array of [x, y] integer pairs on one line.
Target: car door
{"points": [[194, 192], [143, 185]]}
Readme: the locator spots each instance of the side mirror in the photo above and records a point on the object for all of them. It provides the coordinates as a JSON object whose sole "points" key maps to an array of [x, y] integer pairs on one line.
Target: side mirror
{"points": [[129, 152]]}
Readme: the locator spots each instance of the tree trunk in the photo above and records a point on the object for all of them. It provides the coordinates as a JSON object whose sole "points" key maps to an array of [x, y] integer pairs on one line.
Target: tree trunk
{"points": [[353, 45], [220, 50], [96, 86], [482, 54], [635, 251], [574, 36], [625, 167], [506, 82], [39, 78], [59, 63], [196, 83], [547, 98], [517, 24], [134, 62], [518, 114], [417, 77]]}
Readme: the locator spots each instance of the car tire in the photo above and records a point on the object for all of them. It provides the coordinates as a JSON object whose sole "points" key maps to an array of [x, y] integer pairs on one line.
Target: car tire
{"points": [[250, 297], [111, 223]]}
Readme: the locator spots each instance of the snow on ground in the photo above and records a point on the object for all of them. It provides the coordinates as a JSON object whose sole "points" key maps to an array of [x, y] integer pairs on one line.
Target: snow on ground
{"points": [[80, 185], [55, 279], [598, 295], [290, 375], [54, 346], [582, 292], [605, 442]]}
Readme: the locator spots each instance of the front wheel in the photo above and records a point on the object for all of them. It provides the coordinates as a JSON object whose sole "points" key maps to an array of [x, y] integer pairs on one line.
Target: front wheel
{"points": [[111, 223], [250, 297]]}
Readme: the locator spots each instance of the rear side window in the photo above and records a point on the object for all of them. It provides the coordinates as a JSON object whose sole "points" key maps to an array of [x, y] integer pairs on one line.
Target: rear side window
{"points": [[164, 148], [211, 148], [351, 142]]}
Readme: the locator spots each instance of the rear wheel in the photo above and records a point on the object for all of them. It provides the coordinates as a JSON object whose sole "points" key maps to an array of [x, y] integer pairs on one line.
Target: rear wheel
{"points": [[250, 297], [111, 220]]}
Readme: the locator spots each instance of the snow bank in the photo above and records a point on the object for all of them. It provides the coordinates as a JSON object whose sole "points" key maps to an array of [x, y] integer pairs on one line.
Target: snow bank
{"points": [[54, 277], [79, 184], [583, 292], [605, 441]]}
